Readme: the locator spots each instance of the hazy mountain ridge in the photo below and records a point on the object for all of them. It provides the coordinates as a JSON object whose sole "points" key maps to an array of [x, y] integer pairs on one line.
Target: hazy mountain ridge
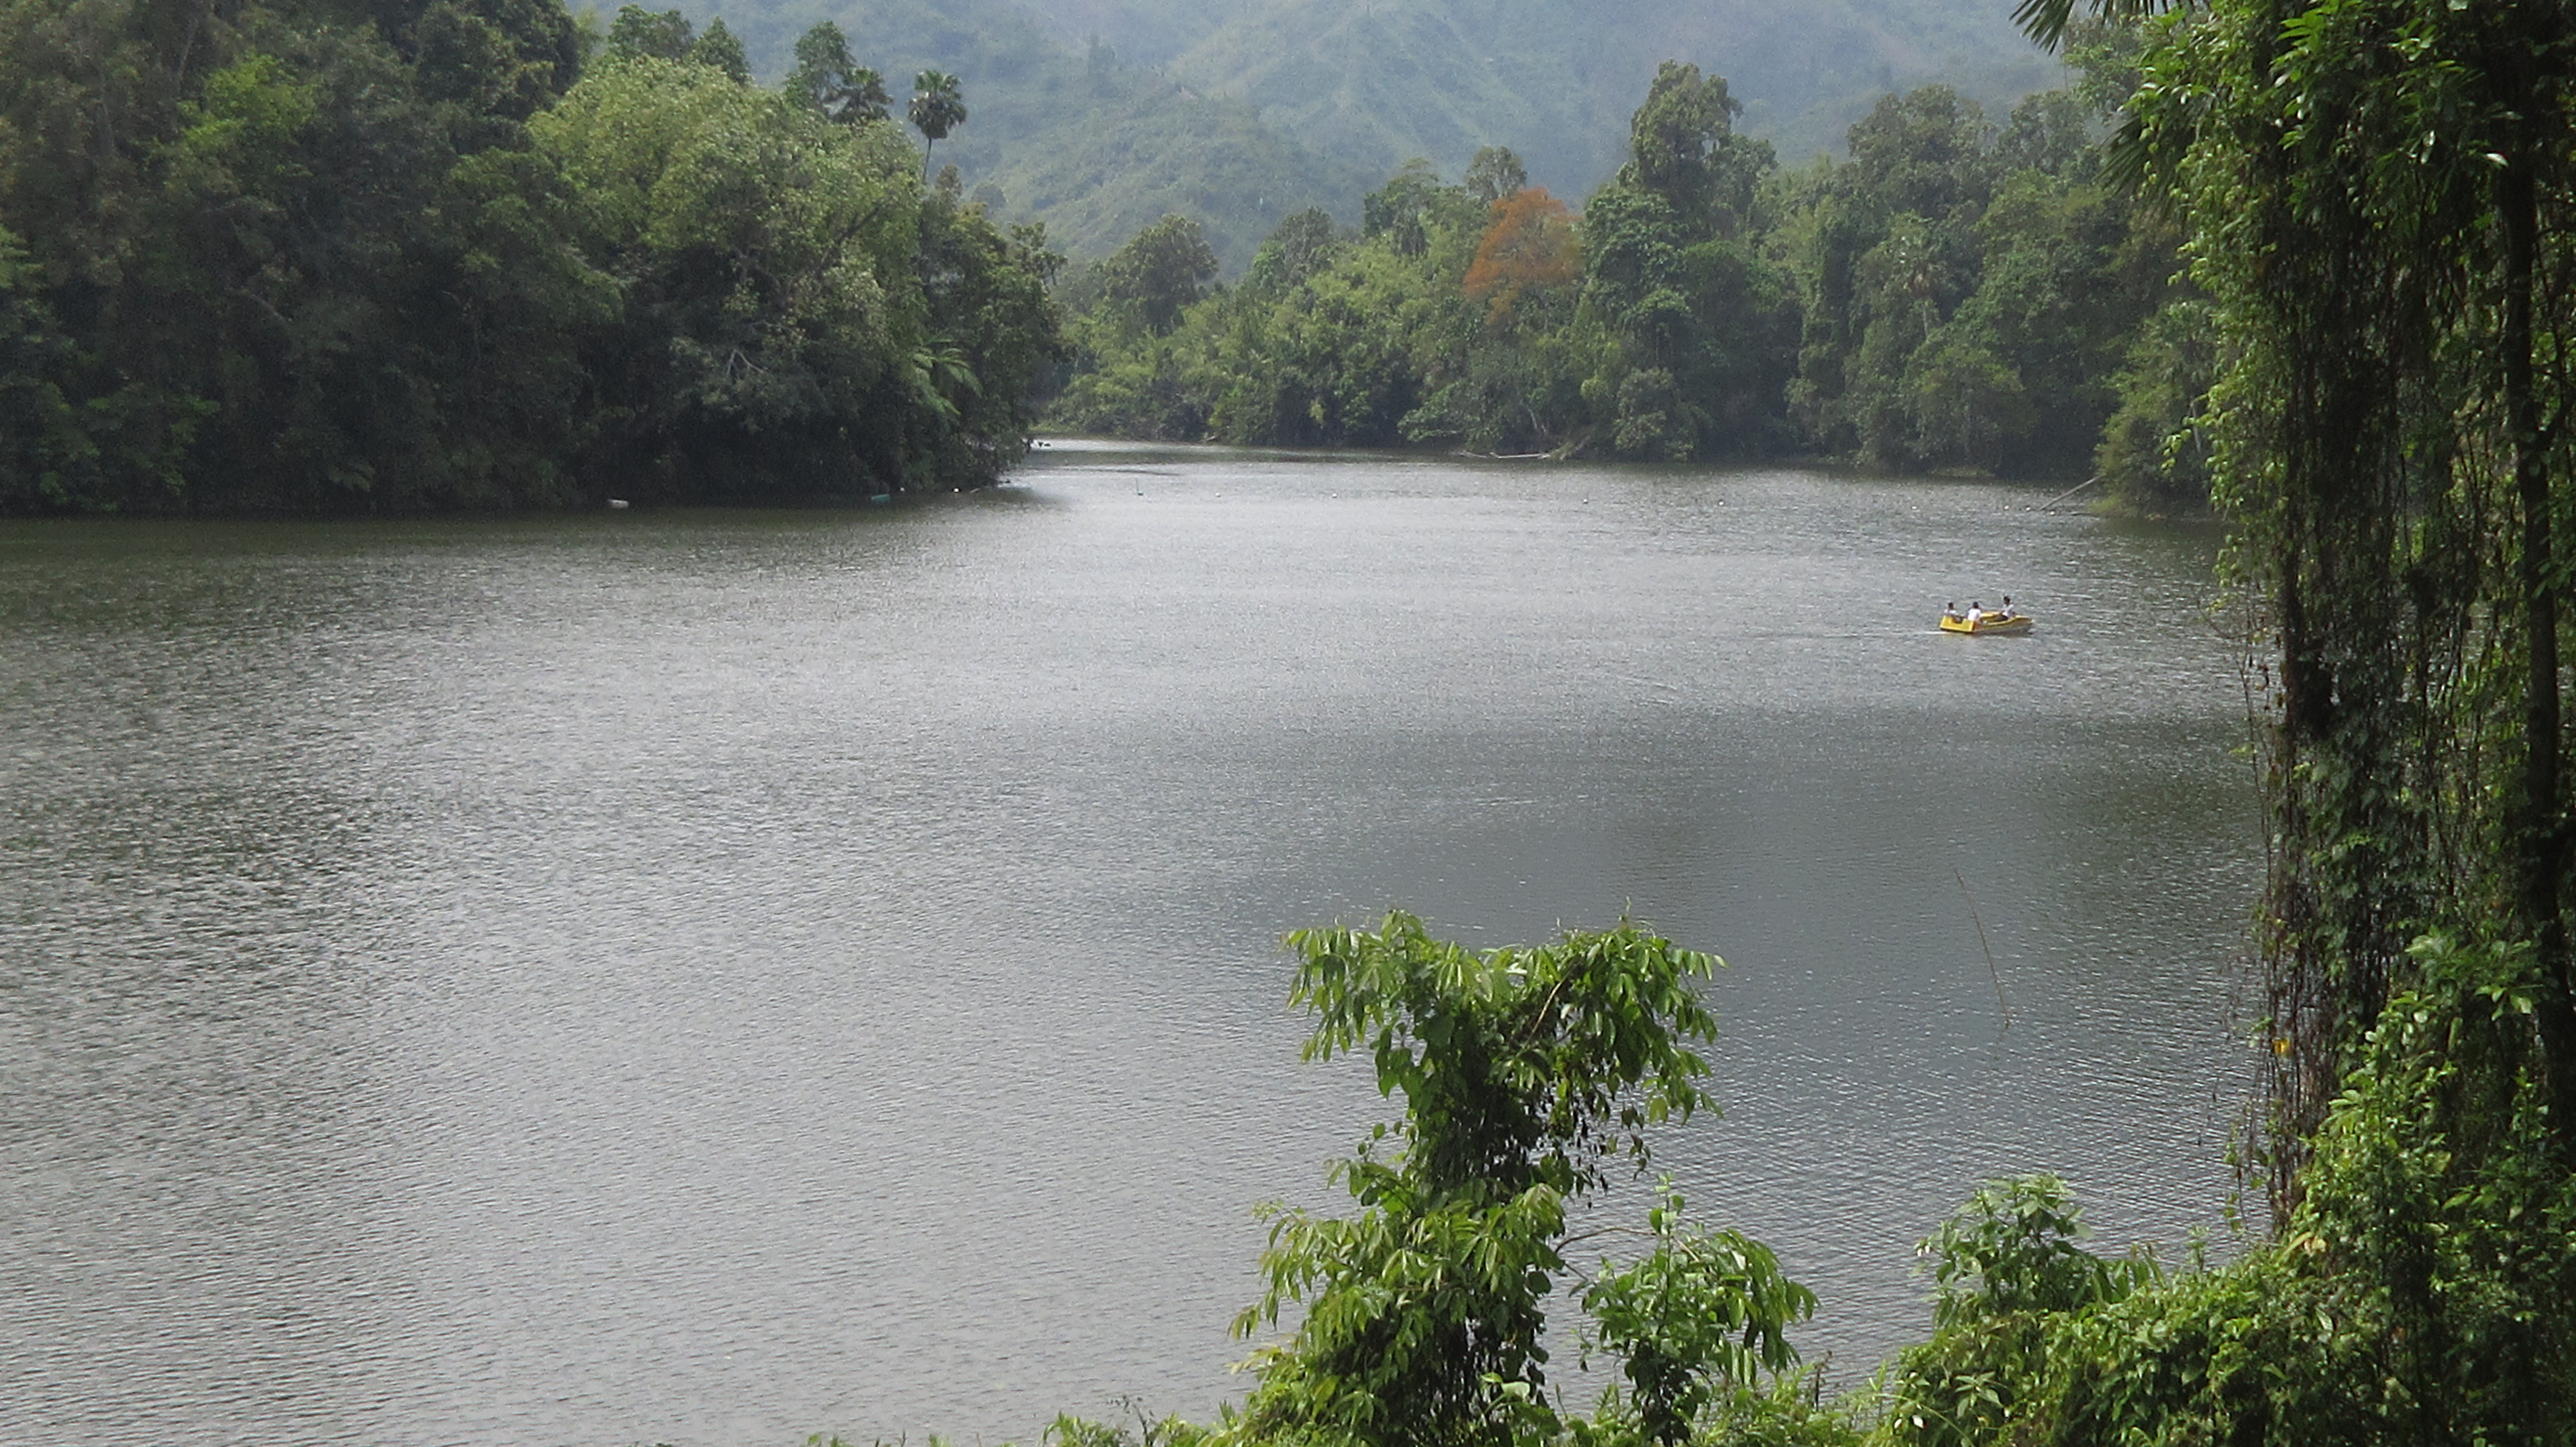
{"points": [[1557, 79], [1097, 115], [1095, 147]]}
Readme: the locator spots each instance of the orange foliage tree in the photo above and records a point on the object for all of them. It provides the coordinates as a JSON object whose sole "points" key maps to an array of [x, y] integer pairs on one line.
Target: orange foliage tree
{"points": [[1530, 245]]}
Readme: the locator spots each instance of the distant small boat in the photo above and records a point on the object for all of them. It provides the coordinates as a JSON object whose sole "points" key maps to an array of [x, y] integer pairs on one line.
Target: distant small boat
{"points": [[1989, 623]]}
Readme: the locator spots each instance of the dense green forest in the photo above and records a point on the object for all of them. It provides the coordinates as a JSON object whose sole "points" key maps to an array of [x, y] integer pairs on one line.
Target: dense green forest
{"points": [[1956, 294], [315, 256]]}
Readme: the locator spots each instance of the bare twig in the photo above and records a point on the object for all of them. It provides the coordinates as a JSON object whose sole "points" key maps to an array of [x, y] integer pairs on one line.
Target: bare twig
{"points": [[2070, 492], [2000, 1002]]}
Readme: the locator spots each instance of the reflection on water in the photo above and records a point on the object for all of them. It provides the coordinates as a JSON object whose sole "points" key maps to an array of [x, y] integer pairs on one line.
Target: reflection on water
{"points": [[709, 978]]}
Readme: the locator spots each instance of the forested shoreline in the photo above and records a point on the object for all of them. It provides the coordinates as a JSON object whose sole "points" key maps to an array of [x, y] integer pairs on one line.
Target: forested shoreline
{"points": [[1956, 295], [300, 257], [323, 258]]}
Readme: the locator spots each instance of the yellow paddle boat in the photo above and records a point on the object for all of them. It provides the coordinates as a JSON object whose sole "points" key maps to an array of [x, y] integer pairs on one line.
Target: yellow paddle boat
{"points": [[1986, 623]]}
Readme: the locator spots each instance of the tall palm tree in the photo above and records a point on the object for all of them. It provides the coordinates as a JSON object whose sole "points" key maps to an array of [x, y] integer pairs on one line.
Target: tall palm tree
{"points": [[937, 108]]}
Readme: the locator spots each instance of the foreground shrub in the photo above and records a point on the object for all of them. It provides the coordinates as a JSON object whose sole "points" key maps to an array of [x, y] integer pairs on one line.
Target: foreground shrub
{"points": [[2421, 1291]]}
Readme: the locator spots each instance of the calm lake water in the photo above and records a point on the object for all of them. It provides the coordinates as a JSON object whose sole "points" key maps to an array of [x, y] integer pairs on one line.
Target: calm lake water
{"points": [[708, 978]]}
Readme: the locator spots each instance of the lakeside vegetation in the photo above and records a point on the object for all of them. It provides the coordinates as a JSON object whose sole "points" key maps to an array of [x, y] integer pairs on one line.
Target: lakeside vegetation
{"points": [[1956, 295], [305, 256], [2415, 1288], [300, 257]]}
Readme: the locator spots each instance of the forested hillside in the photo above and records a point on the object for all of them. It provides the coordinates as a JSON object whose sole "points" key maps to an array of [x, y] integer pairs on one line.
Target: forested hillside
{"points": [[300, 256], [1100, 115], [1386, 80], [1064, 132]]}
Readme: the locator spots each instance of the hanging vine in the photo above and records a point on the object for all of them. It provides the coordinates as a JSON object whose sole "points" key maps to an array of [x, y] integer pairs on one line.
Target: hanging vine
{"points": [[2379, 193]]}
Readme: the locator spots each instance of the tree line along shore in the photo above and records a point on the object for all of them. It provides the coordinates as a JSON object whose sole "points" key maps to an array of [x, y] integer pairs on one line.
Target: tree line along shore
{"points": [[1957, 295], [307, 256], [302, 256]]}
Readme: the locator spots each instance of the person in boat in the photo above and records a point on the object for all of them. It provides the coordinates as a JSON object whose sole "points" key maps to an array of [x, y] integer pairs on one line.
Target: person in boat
{"points": [[2006, 611], [1976, 613], [1950, 611]]}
